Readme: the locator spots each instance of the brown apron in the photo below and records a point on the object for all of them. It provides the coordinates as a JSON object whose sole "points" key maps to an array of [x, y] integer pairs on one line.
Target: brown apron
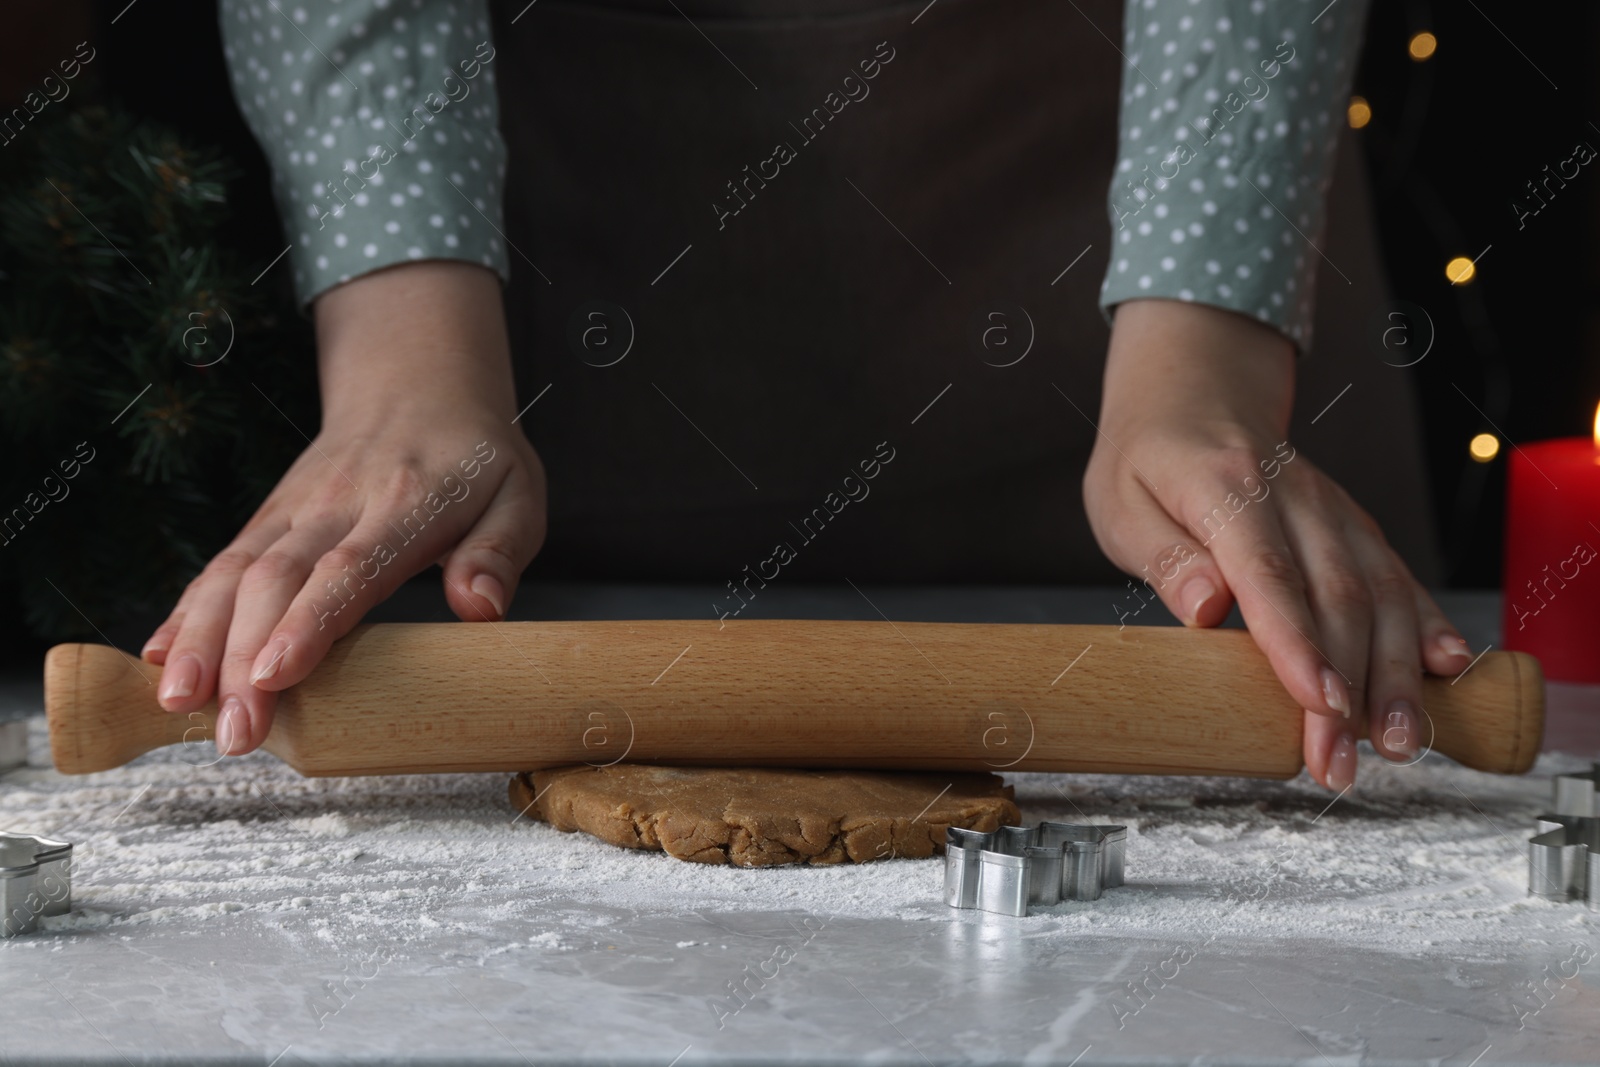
{"points": [[775, 246]]}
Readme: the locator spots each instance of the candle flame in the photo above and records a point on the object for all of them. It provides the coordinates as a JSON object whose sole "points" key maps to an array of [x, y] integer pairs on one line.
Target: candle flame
{"points": [[1597, 425]]}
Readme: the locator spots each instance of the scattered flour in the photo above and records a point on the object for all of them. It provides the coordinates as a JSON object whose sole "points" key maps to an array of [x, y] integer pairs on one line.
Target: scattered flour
{"points": [[1429, 858]]}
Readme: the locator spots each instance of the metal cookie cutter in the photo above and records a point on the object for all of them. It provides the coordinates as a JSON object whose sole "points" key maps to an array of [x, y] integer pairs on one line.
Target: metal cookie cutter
{"points": [[1007, 869], [35, 880], [1564, 859]]}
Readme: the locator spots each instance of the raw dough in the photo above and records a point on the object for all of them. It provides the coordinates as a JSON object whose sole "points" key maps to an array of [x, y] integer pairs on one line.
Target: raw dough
{"points": [[761, 817]]}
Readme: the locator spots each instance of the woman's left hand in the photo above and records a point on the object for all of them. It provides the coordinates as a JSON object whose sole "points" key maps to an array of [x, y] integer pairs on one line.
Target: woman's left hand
{"points": [[1194, 487]]}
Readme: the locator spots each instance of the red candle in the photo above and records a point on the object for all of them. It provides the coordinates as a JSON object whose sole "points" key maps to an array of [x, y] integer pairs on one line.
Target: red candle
{"points": [[1552, 556]]}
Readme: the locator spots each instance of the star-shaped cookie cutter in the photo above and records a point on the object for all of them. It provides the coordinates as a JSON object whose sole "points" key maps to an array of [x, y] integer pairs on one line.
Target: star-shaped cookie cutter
{"points": [[35, 880], [1564, 858], [1007, 869]]}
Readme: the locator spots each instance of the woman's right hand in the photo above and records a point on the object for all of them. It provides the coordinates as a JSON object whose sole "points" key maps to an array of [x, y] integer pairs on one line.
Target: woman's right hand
{"points": [[417, 462]]}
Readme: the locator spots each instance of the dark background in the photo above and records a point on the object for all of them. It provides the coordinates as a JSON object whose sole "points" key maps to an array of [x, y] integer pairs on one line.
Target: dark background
{"points": [[1452, 140]]}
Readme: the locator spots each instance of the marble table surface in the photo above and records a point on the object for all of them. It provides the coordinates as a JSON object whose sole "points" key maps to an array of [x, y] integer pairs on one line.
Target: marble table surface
{"points": [[218, 906]]}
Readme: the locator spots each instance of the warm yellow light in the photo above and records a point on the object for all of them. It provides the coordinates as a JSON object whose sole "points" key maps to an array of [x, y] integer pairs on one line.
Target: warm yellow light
{"points": [[1359, 112], [1484, 447], [1460, 270], [1597, 426], [1422, 46]]}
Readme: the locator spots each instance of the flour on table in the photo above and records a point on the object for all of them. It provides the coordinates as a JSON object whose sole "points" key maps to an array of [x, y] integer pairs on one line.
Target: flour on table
{"points": [[1423, 859]]}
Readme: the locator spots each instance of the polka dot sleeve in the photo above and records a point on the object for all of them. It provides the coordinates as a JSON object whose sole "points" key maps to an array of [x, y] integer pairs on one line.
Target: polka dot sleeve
{"points": [[1231, 111], [380, 122]]}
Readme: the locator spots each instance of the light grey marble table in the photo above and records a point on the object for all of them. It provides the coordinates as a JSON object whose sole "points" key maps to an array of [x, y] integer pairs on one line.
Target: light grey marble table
{"points": [[218, 905]]}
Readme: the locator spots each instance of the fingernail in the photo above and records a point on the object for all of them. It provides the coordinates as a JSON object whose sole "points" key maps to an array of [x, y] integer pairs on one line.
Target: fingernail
{"points": [[1334, 692], [233, 725], [485, 586], [157, 643], [178, 679], [1452, 645], [269, 659], [1196, 594], [1342, 764], [1400, 733]]}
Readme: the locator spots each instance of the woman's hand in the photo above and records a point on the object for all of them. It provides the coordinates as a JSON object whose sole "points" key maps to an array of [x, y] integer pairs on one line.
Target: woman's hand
{"points": [[417, 462], [1194, 488]]}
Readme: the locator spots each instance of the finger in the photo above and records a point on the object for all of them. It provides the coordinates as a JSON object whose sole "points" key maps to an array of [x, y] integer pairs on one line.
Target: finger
{"points": [[1140, 537], [1394, 683], [1342, 603], [155, 649], [258, 532], [189, 675], [345, 583], [1339, 592], [1444, 651], [1330, 751], [481, 573], [265, 592], [1264, 576]]}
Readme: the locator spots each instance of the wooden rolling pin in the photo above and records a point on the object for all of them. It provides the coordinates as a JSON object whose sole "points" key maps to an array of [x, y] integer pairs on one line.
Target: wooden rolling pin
{"points": [[436, 697]]}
